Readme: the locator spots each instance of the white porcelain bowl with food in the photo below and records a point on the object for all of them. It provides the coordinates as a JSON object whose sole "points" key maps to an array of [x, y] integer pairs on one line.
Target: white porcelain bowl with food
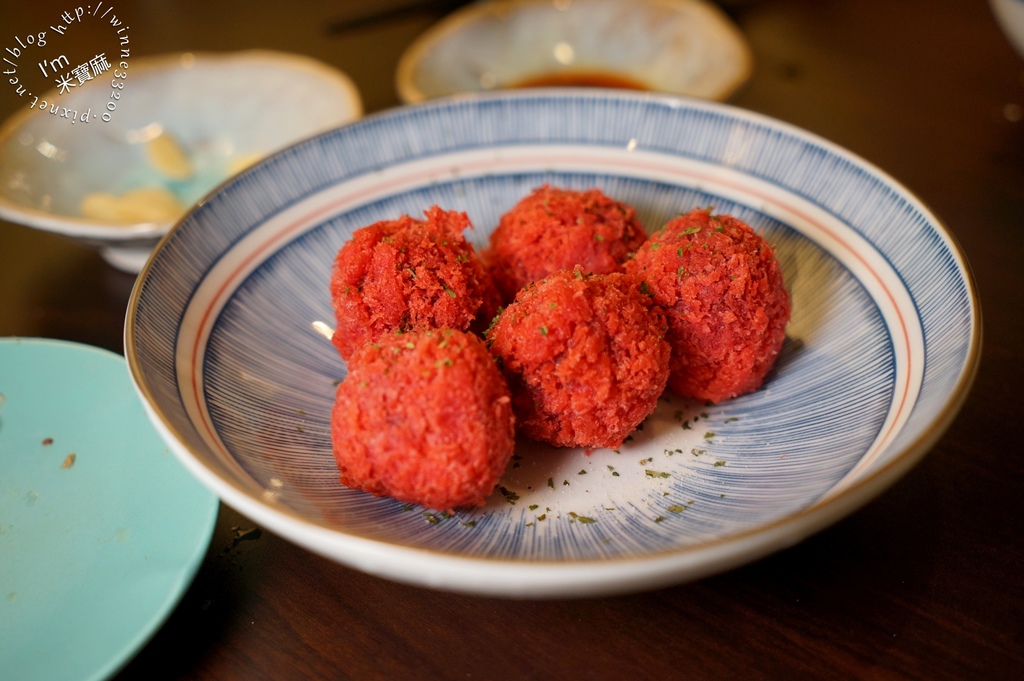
{"points": [[229, 341], [684, 47], [182, 124]]}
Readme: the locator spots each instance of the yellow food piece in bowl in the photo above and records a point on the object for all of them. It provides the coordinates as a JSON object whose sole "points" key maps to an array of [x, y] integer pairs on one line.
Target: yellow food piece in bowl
{"points": [[242, 161], [99, 206], [148, 204], [164, 154]]}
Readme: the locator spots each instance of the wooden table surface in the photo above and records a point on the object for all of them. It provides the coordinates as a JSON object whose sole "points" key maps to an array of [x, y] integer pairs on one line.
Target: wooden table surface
{"points": [[926, 582]]}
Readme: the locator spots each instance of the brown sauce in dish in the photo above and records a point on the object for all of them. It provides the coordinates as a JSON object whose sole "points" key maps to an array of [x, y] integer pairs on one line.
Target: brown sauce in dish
{"points": [[581, 79]]}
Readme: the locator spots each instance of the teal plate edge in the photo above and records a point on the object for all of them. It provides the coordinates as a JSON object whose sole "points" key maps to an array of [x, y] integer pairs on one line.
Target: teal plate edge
{"points": [[101, 529]]}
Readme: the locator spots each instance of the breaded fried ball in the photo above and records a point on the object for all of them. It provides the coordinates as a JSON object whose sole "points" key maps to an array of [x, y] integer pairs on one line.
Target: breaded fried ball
{"points": [[424, 417], [721, 287], [406, 275], [553, 229], [585, 357]]}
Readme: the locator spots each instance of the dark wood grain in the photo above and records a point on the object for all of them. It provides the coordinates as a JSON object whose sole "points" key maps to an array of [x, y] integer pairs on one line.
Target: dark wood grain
{"points": [[923, 583]]}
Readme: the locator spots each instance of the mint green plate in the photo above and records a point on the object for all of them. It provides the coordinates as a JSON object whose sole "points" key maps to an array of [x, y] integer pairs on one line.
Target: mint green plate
{"points": [[101, 529]]}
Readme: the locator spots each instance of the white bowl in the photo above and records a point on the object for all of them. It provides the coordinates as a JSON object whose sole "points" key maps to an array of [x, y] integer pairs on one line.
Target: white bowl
{"points": [[686, 47], [1010, 16], [219, 110], [227, 339]]}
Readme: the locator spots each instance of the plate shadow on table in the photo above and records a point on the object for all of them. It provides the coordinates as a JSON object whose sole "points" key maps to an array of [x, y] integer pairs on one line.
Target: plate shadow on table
{"points": [[226, 580]]}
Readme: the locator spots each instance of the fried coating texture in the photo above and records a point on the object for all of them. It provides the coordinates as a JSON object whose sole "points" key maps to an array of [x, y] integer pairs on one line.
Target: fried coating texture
{"points": [[424, 417], [585, 357], [721, 287], [553, 229], [407, 275]]}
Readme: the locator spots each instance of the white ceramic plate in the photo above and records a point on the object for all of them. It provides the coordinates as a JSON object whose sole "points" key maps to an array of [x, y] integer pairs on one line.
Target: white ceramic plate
{"points": [[101, 529], [224, 340], [219, 109], [682, 47]]}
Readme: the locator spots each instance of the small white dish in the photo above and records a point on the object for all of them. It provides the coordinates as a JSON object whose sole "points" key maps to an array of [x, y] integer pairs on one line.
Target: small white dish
{"points": [[685, 47], [215, 111], [225, 341]]}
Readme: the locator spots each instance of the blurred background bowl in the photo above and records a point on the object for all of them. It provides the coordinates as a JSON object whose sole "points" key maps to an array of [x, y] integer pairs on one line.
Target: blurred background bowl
{"points": [[183, 124], [686, 47], [1010, 15]]}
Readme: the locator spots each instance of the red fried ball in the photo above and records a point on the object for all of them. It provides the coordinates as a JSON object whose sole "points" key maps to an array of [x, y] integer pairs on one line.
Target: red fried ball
{"points": [[585, 357], [721, 288], [424, 417], [406, 275], [553, 229]]}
